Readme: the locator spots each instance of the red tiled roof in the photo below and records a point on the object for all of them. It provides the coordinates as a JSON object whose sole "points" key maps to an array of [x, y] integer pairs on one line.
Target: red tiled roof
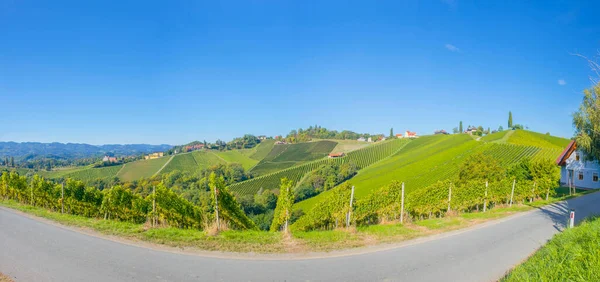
{"points": [[566, 153]]}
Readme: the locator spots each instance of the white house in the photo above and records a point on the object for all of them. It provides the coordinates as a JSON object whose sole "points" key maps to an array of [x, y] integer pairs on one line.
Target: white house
{"points": [[575, 170]]}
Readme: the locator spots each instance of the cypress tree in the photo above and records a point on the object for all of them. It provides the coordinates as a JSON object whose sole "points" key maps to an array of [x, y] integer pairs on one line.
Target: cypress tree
{"points": [[510, 122], [460, 128]]}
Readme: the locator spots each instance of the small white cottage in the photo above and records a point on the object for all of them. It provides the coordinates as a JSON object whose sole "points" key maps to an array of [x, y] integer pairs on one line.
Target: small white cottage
{"points": [[575, 170]]}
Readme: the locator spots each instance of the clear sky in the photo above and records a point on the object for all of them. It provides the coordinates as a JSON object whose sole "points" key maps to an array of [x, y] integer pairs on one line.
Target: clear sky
{"points": [[172, 72]]}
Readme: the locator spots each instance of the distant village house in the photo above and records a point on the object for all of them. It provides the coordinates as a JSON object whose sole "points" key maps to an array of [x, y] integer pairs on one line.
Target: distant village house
{"points": [[361, 139], [441, 132], [410, 134], [154, 156], [109, 159], [575, 171]]}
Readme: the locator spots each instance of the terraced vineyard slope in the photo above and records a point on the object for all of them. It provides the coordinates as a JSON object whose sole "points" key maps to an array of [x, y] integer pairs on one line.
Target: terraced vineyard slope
{"points": [[141, 169], [287, 155], [362, 158], [530, 138], [428, 159]]}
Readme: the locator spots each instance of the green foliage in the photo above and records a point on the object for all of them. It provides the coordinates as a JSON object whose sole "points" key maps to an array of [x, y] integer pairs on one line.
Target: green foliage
{"points": [[480, 167], [283, 211], [90, 174], [263, 149], [573, 255], [174, 210], [229, 209], [236, 156], [587, 123], [510, 120], [329, 213]]}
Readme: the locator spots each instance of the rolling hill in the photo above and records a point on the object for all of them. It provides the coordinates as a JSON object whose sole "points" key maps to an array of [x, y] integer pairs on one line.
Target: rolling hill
{"points": [[428, 159], [287, 155]]}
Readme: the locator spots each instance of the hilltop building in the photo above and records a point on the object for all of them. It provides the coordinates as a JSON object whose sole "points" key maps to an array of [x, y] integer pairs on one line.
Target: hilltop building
{"points": [[399, 135], [471, 130], [441, 132], [193, 147], [410, 134], [575, 171], [361, 139], [154, 156]]}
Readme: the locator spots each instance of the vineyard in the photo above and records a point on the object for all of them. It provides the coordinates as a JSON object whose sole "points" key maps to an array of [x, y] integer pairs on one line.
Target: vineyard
{"points": [[362, 158], [182, 162], [95, 173], [141, 169], [530, 138], [287, 155], [432, 158], [236, 156], [162, 208]]}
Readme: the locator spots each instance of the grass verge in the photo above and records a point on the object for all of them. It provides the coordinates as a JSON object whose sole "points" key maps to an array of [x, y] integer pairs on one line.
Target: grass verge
{"points": [[573, 255]]}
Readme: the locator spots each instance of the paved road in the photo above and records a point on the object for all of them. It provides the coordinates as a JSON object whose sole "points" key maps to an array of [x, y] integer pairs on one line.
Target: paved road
{"points": [[35, 251]]}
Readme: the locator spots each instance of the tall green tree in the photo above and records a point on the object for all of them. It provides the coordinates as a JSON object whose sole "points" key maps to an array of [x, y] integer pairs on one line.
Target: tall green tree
{"points": [[391, 132], [587, 123], [460, 128], [283, 211], [12, 161], [510, 121]]}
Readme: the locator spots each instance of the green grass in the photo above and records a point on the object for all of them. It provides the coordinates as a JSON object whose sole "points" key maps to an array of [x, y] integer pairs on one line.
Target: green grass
{"points": [[143, 168], [573, 255], [236, 156], [287, 155], [182, 162], [496, 137], [530, 138], [263, 149], [94, 173], [349, 145]]}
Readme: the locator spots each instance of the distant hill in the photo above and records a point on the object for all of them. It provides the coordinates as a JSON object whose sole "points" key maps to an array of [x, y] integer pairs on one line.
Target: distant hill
{"points": [[33, 150]]}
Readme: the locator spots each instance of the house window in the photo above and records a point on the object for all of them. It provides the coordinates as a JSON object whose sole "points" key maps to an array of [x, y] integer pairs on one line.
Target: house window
{"points": [[580, 176], [595, 177], [576, 156]]}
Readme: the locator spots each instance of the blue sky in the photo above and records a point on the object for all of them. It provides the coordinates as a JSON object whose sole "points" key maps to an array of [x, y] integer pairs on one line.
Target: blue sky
{"points": [[150, 72]]}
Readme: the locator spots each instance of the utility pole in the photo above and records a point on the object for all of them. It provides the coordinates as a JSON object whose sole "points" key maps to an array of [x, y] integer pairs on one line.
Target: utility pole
{"points": [[402, 205], [350, 211], [62, 198], [485, 199], [512, 193]]}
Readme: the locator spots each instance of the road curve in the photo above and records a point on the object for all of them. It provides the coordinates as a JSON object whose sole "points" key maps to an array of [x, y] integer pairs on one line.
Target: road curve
{"points": [[31, 250]]}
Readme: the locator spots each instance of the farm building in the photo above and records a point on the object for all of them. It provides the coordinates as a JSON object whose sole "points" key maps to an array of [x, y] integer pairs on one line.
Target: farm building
{"points": [[154, 156], [399, 135], [361, 139], [471, 130], [440, 132], [336, 155], [410, 134], [109, 159], [575, 170]]}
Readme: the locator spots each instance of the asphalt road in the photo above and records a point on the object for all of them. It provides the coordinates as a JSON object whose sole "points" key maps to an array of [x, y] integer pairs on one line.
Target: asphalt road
{"points": [[35, 251]]}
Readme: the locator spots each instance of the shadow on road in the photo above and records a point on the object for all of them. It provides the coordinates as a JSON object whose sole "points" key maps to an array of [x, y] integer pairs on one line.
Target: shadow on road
{"points": [[584, 206], [558, 213]]}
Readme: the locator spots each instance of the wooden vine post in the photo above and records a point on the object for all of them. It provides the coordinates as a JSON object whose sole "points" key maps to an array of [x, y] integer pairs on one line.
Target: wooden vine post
{"points": [[449, 195], [512, 193], [350, 211], [62, 198], [217, 207], [153, 206], [31, 200], [402, 205], [547, 192], [532, 193], [485, 199]]}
